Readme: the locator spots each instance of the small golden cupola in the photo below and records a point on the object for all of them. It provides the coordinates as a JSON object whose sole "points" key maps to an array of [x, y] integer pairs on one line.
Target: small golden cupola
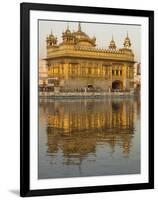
{"points": [[51, 40], [112, 45], [127, 43], [68, 37]]}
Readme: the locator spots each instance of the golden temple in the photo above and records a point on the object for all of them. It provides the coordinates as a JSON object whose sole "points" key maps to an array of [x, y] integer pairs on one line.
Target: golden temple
{"points": [[76, 64]]}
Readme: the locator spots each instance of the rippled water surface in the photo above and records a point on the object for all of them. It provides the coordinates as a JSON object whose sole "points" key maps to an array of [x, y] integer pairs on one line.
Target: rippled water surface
{"points": [[88, 137]]}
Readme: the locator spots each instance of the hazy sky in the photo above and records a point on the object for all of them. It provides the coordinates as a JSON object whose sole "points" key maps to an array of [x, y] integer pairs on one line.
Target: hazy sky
{"points": [[102, 32]]}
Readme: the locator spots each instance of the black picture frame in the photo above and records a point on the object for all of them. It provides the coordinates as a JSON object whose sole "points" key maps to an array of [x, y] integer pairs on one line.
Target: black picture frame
{"points": [[25, 9]]}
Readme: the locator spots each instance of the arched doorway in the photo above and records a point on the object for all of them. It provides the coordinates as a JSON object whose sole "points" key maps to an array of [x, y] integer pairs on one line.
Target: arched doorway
{"points": [[90, 88], [117, 85]]}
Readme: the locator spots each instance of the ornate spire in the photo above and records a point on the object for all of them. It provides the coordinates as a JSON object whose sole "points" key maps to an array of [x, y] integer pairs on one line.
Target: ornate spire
{"points": [[67, 31], [79, 26], [127, 42], [68, 26], [112, 45]]}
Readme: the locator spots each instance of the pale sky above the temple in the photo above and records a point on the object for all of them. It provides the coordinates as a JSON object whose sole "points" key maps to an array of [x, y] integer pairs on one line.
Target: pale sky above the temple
{"points": [[102, 32]]}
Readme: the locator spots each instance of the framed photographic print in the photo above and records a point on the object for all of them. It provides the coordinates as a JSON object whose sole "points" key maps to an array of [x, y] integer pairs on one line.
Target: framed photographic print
{"points": [[87, 99]]}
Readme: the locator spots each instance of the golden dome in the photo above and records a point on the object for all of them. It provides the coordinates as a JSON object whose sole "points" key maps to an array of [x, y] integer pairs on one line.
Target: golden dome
{"points": [[82, 38], [67, 32]]}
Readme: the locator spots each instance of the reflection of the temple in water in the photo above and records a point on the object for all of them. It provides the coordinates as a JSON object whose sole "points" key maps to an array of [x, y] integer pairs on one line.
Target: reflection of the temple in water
{"points": [[77, 127]]}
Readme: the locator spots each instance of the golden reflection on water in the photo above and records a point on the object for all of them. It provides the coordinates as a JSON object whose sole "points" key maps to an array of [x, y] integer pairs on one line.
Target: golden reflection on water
{"points": [[78, 127]]}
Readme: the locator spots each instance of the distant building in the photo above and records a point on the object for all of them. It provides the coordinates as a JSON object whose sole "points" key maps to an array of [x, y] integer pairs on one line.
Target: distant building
{"points": [[43, 74], [76, 64], [137, 76]]}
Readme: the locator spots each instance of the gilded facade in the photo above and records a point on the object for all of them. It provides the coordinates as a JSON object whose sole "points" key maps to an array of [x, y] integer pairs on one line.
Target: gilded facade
{"points": [[76, 64]]}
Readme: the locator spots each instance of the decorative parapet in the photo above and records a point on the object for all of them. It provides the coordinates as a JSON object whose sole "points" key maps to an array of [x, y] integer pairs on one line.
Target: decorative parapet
{"points": [[87, 52]]}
